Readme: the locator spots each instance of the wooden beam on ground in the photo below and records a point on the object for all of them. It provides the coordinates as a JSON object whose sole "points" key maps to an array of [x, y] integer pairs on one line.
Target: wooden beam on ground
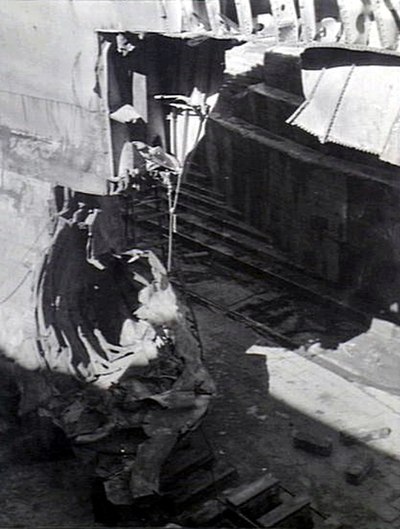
{"points": [[256, 497], [294, 511]]}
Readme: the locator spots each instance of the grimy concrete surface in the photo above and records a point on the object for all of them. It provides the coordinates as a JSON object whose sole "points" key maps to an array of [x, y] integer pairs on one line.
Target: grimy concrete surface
{"points": [[254, 427], [250, 424], [260, 404]]}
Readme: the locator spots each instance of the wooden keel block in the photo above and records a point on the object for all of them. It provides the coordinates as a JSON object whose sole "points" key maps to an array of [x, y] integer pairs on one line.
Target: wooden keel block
{"points": [[256, 497], [359, 468], [293, 514]]}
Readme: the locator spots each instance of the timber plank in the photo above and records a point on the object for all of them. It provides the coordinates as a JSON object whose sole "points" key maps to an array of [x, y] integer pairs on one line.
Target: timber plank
{"points": [[256, 497], [294, 513]]}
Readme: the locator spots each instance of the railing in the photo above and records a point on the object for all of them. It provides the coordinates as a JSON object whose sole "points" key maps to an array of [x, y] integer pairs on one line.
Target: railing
{"points": [[373, 24]]}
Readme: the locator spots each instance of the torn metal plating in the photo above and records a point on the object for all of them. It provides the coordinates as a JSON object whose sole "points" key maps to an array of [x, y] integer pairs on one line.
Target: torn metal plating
{"points": [[120, 360]]}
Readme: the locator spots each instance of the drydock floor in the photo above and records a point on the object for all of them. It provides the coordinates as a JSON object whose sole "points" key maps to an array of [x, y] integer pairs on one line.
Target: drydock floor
{"points": [[250, 424]]}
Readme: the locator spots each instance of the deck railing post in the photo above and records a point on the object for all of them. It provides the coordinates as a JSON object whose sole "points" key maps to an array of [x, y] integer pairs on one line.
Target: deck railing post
{"points": [[214, 14], [285, 15], [308, 20], [245, 16]]}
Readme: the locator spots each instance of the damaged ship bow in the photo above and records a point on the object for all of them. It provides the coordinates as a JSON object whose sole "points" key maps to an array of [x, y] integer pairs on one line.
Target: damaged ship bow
{"points": [[123, 374]]}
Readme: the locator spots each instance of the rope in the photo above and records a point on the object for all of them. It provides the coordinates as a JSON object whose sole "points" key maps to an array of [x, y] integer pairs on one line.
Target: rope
{"points": [[172, 203], [15, 290], [22, 281], [189, 305]]}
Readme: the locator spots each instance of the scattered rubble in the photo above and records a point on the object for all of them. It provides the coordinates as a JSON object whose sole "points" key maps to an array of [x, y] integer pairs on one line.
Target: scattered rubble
{"points": [[123, 373], [295, 509], [312, 443], [359, 468]]}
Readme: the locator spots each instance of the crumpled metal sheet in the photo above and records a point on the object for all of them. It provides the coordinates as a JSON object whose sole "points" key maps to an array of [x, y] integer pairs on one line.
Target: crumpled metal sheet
{"points": [[339, 108], [120, 358]]}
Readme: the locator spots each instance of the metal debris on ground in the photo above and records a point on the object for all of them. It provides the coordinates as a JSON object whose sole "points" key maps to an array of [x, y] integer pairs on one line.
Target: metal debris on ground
{"points": [[123, 373]]}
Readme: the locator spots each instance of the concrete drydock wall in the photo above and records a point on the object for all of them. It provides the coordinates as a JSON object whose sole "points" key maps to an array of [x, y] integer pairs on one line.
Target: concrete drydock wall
{"points": [[331, 211]]}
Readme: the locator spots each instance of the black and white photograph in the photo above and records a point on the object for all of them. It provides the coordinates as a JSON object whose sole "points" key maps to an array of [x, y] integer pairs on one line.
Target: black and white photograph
{"points": [[200, 264]]}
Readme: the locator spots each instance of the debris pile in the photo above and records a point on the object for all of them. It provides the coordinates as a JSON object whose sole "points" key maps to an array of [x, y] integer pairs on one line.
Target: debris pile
{"points": [[123, 374]]}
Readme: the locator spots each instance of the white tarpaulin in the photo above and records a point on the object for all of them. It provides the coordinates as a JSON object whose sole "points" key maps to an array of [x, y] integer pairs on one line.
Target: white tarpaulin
{"points": [[352, 100]]}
